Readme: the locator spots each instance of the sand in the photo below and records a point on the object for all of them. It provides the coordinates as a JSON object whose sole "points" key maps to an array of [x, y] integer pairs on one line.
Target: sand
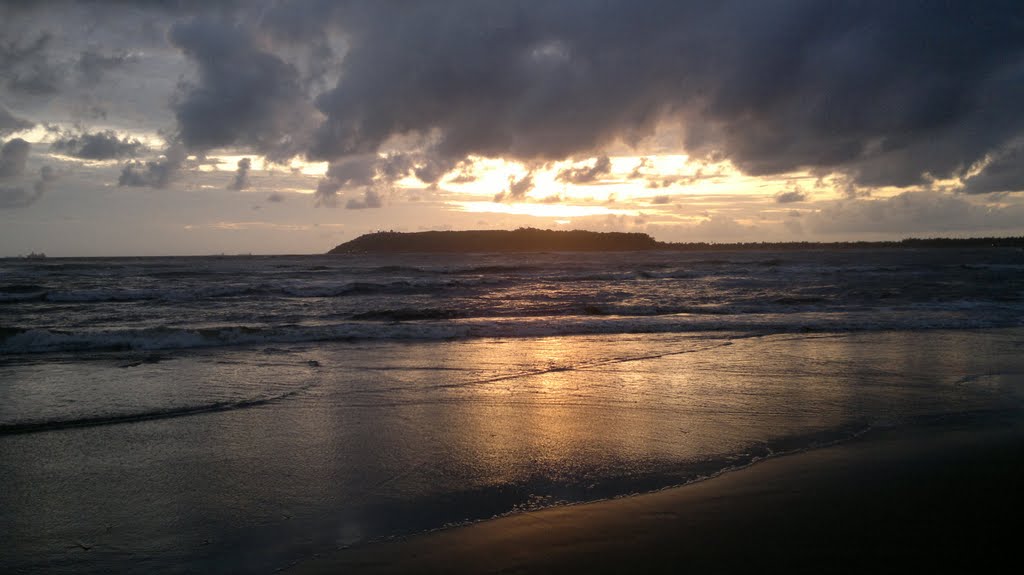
{"points": [[937, 498]]}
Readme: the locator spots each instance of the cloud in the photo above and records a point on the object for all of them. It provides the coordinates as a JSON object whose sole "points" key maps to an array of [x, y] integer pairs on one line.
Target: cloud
{"points": [[885, 94], [889, 93], [463, 178], [13, 160], [11, 124], [396, 166], [157, 173], [275, 198], [356, 172], [241, 180], [105, 145], [602, 167], [637, 173], [326, 194], [26, 69], [92, 65], [351, 172], [790, 197], [20, 196], [245, 95], [517, 189], [371, 199], [13, 157], [17, 197], [1003, 173], [465, 174], [661, 200], [913, 212]]}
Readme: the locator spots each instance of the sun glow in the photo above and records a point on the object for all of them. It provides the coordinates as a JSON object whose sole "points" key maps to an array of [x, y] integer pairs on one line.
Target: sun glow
{"points": [[561, 211], [229, 163]]}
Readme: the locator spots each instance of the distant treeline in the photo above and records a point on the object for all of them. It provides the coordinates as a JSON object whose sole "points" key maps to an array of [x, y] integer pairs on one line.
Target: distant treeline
{"points": [[536, 240]]}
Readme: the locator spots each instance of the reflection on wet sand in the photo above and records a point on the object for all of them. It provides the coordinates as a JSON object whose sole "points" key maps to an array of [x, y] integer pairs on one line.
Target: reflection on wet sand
{"points": [[391, 438]]}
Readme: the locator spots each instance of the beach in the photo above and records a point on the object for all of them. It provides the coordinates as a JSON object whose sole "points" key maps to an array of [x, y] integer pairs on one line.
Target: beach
{"points": [[462, 286], [315, 287], [935, 498], [251, 415]]}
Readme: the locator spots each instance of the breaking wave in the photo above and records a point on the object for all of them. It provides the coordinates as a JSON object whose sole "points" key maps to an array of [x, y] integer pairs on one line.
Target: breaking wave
{"points": [[432, 325]]}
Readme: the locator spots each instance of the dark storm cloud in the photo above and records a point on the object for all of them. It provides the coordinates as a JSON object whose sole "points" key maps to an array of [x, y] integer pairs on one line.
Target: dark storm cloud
{"points": [[517, 189], [353, 172], [790, 197], [369, 173], [20, 196], [1005, 173], [371, 199], [245, 95], [465, 176], [154, 173], [105, 145], [26, 68], [326, 193], [396, 166], [10, 124], [602, 167], [92, 65], [241, 180], [889, 92], [13, 156]]}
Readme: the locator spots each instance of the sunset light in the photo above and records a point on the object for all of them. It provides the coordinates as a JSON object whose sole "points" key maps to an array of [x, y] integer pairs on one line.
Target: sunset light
{"points": [[474, 287]]}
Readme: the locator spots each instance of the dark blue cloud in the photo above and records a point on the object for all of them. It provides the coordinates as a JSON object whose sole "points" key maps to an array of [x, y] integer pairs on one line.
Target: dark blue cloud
{"points": [[888, 93]]}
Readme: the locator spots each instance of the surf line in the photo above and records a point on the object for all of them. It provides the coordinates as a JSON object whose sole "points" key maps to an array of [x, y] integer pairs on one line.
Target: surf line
{"points": [[43, 426], [579, 366]]}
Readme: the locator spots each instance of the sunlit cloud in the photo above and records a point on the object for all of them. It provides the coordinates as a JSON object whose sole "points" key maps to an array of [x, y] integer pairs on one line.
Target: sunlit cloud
{"points": [[561, 211], [302, 104]]}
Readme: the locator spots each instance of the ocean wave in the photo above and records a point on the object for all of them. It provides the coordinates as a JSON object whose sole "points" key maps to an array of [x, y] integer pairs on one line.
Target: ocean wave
{"points": [[406, 314], [285, 289], [496, 269], [20, 288], [589, 322], [16, 428], [591, 276], [394, 269], [9, 298]]}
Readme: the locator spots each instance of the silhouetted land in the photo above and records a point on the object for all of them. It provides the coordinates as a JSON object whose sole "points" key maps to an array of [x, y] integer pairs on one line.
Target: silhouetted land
{"points": [[535, 240]]}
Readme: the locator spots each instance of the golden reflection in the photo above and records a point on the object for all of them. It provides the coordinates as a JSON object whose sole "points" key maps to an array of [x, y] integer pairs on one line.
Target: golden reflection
{"points": [[514, 410], [571, 403]]}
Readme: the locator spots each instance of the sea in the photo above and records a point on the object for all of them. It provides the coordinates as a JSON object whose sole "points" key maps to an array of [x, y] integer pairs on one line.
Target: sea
{"points": [[246, 414]]}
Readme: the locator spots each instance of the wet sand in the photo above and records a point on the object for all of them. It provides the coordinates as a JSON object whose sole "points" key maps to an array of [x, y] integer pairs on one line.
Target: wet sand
{"points": [[936, 498]]}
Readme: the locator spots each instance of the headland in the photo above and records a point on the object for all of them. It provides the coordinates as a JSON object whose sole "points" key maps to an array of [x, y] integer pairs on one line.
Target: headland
{"points": [[537, 240]]}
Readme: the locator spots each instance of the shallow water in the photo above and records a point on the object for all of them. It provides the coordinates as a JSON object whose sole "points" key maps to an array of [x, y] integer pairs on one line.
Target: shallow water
{"points": [[160, 458]]}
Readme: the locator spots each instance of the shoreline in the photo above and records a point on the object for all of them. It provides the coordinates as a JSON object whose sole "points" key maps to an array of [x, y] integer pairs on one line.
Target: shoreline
{"points": [[929, 497]]}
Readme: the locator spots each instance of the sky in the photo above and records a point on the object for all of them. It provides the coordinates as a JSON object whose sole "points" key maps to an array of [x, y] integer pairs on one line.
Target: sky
{"points": [[169, 127]]}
